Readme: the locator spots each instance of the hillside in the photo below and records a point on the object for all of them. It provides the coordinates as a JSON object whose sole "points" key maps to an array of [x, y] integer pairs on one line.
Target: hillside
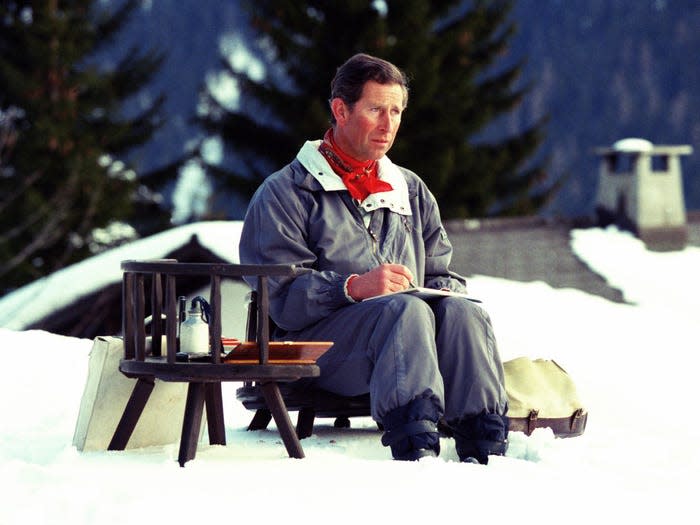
{"points": [[609, 69], [602, 69]]}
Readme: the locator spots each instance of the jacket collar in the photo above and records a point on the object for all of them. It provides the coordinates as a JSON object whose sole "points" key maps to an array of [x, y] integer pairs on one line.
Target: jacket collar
{"points": [[396, 200]]}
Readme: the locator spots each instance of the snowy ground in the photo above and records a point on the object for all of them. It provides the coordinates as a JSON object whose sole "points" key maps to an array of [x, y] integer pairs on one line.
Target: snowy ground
{"points": [[635, 365]]}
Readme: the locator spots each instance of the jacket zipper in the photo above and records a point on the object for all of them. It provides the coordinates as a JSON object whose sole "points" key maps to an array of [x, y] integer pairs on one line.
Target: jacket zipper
{"points": [[375, 243], [373, 236]]}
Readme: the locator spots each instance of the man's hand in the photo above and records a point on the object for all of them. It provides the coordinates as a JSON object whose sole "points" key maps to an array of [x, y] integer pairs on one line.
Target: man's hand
{"points": [[381, 280]]}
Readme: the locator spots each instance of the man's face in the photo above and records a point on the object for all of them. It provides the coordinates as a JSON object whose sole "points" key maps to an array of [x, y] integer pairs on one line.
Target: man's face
{"points": [[368, 130]]}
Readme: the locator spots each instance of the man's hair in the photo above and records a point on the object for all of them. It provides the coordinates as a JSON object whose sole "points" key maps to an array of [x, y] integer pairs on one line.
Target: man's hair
{"points": [[350, 78]]}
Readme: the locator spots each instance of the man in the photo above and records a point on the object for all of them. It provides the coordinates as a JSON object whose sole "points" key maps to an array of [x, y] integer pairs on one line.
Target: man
{"points": [[367, 228]]}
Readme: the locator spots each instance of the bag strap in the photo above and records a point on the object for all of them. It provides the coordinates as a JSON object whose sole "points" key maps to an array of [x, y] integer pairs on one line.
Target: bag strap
{"points": [[571, 426]]}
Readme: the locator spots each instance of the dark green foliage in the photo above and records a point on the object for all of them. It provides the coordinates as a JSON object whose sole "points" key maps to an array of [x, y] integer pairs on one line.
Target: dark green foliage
{"points": [[64, 126], [458, 87]]}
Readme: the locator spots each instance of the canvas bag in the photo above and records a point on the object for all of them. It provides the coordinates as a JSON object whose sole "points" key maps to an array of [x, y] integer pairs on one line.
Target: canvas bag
{"points": [[542, 394], [107, 392]]}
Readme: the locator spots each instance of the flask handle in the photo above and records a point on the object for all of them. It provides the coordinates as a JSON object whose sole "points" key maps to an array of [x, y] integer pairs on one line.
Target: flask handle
{"points": [[204, 306]]}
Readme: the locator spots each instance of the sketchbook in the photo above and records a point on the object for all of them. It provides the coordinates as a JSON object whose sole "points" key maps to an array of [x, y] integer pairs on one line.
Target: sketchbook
{"points": [[428, 293]]}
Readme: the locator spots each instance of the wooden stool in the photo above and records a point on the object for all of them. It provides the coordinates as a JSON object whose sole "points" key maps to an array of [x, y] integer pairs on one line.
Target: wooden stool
{"points": [[203, 375]]}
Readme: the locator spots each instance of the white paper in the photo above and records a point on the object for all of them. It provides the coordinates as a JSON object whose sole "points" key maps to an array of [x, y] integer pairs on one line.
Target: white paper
{"points": [[428, 293]]}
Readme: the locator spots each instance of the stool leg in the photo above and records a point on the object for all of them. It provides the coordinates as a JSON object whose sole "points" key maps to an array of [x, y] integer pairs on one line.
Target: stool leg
{"points": [[305, 422], [341, 422], [132, 412], [215, 413], [192, 422], [260, 420], [275, 403]]}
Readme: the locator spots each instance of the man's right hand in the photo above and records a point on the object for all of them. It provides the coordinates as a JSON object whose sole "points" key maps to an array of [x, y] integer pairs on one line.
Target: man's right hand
{"points": [[383, 279]]}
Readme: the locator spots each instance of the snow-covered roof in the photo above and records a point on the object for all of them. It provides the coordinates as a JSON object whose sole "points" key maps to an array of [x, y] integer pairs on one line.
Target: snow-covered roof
{"points": [[24, 306], [636, 145], [633, 145]]}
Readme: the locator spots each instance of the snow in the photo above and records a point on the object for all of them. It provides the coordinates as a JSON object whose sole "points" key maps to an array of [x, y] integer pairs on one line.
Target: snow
{"points": [[30, 303], [633, 145], [192, 192], [635, 365]]}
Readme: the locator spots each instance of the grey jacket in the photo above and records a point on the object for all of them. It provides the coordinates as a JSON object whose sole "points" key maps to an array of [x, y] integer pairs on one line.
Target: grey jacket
{"points": [[303, 215]]}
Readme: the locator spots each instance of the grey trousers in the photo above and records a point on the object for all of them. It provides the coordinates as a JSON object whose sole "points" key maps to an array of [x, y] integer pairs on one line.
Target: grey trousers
{"points": [[400, 347]]}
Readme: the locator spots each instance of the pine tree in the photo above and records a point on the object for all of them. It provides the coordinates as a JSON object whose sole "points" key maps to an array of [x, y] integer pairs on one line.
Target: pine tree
{"points": [[457, 89], [63, 132]]}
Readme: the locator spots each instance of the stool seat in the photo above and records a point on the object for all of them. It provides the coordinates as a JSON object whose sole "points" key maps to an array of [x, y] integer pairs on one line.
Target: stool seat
{"points": [[211, 372]]}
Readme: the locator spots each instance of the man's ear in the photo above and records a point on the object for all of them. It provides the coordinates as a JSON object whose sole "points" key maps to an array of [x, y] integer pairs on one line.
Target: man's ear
{"points": [[340, 110]]}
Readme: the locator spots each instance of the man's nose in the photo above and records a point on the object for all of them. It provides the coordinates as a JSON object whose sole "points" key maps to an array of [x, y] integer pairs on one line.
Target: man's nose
{"points": [[386, 123]]}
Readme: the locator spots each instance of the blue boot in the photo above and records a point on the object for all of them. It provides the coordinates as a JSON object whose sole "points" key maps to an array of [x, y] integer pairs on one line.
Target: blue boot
{"points": [[480, 436], [411, 430]]}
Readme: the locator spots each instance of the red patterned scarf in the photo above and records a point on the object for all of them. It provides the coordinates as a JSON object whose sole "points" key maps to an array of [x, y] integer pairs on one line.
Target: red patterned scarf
{"points": [[359, 177]]}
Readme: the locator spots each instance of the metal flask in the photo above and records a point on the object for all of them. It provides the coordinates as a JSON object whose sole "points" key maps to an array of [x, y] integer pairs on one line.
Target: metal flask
{"points": [[194, 329]]}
